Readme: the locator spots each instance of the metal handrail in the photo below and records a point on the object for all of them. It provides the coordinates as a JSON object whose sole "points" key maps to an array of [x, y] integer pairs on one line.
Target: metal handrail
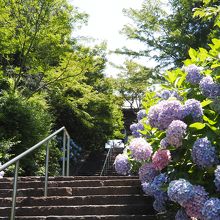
{"points": [[107, 161], [22, 155]]}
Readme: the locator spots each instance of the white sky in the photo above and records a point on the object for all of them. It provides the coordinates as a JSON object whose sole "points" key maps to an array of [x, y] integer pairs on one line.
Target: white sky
{"points": [[105, 21]]}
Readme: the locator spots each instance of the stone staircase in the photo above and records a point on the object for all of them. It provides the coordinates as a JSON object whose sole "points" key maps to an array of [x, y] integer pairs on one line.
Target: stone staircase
{"points": [[94, 163], [77, 197]]}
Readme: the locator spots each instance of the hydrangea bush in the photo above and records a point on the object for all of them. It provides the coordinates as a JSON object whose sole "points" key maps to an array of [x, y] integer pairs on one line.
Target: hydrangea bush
{"points": [[176, 140]]}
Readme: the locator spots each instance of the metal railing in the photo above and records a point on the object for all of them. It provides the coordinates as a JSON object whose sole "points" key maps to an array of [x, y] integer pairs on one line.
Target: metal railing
{"points": [[107, 162], [66, 148]]}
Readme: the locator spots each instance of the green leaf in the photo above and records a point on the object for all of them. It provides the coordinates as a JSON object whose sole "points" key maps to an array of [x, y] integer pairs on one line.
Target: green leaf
{"points": [[192, 53], [206, 102], [208, 120], [171, 76], [197, 125], [215, 65]]}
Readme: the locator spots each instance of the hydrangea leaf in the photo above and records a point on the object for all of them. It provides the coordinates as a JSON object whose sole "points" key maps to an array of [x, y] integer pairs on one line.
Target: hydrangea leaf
{"points": [[206, 102], [192, 53], [197, 125], [211, 122]]}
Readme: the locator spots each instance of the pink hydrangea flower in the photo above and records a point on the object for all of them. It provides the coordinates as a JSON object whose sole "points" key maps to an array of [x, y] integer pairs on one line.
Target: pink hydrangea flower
{"points": [[140, 149], [194, 206], [161, 158]]}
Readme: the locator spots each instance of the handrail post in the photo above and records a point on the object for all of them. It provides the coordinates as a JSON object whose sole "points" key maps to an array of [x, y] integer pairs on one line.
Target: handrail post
{"points": [[14, 191], [68, 156], [46, 170], [64, 151]]}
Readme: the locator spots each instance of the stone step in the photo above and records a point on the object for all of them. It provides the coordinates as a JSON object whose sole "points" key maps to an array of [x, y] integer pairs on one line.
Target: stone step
{"points": [[67, 178], [72, 183], [78, 200], [75, 191], [87, 217], [80, 210]]}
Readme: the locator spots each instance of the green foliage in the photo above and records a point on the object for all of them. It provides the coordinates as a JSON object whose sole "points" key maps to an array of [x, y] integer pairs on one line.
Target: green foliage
{"points": [[24, 122]]}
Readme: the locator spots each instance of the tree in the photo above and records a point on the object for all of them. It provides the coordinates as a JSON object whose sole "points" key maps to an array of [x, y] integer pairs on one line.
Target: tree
{"points": [[38, 58], [168, 30], [85, 103], [36, 36], [133, 82]]}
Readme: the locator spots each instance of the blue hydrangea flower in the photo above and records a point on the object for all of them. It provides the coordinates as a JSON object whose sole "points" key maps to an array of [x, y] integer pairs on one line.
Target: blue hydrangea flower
{"points": [[180, 191], [203, 153], [153, 188], [147, 172], [141, 114], [122, 165], [217, 178], [193, 107], [181, 215], [163, 113], [211, 209], [159, 206], [209, 88], [175, 133], [193, 74]]}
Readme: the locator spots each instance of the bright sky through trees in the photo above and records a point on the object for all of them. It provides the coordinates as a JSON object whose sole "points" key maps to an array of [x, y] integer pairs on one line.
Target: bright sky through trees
{"points": [[106, 19]]}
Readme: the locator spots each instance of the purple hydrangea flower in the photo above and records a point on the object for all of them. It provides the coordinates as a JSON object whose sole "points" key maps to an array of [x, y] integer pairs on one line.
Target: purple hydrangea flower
{"points": [[147, 188], [217, 178], [147, 172], [181, 215], [159, 206], [193, 107], [193, 74], [141, 114], [133, 127], [140, 149], [180, 191], [203, 153], [164, 143], [209, 88], [153, 115], [122, 165], [211, 209], [165, 94], [175, 133], [194, 206], [163, 113], [140, 126], [136, 134]]}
